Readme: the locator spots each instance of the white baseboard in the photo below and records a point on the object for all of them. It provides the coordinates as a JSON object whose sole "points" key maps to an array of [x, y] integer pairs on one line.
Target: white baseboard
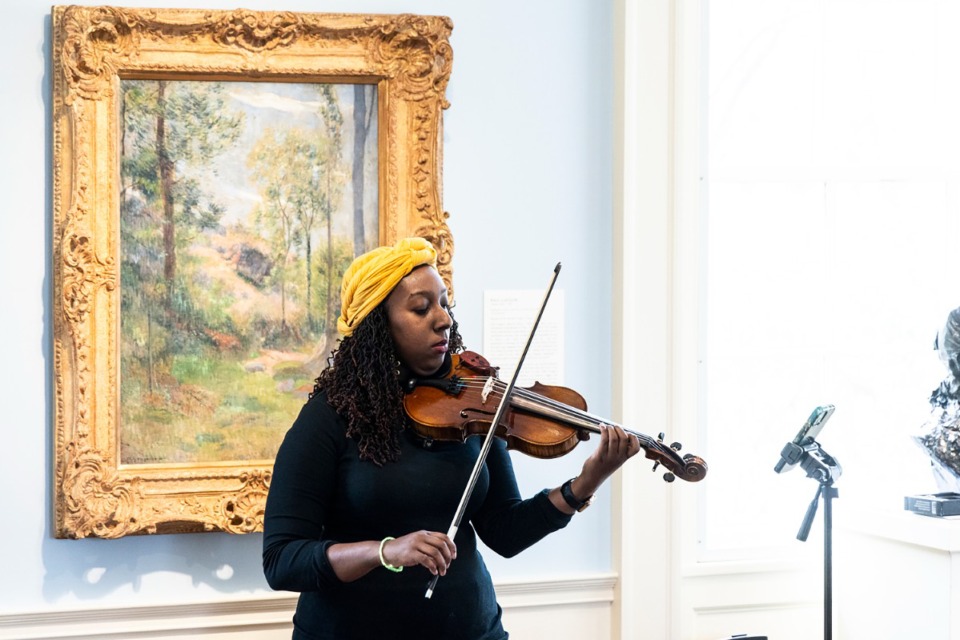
{"points": [[575, 607]]}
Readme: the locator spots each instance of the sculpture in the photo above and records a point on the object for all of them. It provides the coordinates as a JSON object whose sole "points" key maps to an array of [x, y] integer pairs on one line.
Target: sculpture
{"points": [[940, 437]]}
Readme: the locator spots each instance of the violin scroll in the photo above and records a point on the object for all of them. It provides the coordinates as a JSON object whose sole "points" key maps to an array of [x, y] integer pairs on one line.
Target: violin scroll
{"points": [[694, 468]]}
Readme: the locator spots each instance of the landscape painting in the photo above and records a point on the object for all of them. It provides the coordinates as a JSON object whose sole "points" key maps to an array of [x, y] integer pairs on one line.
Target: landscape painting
{"points": [[241, 205], [213, 174]]}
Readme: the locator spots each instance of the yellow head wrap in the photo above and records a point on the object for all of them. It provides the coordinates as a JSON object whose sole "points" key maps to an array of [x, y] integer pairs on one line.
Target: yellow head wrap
{"points": [[371, 277]]}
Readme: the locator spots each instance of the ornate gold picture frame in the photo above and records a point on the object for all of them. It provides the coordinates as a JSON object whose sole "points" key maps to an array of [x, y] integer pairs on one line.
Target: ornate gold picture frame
{"points": [[105, 60]]}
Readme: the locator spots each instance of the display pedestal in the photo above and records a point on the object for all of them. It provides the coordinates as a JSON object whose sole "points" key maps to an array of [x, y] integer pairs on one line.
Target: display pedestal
{"points": [[899, 576]]}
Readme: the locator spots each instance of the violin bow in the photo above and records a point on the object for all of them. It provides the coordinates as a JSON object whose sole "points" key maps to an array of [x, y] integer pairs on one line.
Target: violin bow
{"points": [[488, 440]]}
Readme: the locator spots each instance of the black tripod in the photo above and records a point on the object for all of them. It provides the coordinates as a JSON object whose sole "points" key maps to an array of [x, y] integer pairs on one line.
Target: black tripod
{"points": [[822, 467]]}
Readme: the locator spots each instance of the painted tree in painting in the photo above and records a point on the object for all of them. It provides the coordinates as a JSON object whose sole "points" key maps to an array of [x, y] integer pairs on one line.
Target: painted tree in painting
{"points": [[167, 127]]}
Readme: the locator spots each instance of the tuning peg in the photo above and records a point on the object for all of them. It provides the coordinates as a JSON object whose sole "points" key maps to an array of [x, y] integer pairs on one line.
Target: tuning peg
{"points": [[676, 446]]}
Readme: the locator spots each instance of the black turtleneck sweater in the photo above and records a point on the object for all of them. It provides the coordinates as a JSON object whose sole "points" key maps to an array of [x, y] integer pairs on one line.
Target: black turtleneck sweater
{"points": [[322, 493]]}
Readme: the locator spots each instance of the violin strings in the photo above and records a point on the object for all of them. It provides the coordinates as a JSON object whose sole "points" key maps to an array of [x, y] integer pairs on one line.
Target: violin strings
{"points": [[480, 382], [561, 410], [550, 403]]}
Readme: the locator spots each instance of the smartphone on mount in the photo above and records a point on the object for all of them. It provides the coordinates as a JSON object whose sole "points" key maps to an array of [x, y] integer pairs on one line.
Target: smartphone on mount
{"points": [[808, 433]]}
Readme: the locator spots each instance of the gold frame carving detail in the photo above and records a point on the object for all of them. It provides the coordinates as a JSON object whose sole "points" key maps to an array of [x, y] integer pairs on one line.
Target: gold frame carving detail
{"points": [[407, 57]]}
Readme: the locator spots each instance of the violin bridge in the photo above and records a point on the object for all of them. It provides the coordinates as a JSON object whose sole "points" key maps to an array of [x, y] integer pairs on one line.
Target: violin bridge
{"points": [[487, 389]]}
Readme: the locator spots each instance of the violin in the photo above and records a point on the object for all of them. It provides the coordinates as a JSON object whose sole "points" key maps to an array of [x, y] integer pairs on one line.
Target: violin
{"points": [[542, 421]]}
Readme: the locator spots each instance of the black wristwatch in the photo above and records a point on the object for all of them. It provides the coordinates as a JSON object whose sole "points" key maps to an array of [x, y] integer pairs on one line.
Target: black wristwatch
{"points": [[575, 503]]}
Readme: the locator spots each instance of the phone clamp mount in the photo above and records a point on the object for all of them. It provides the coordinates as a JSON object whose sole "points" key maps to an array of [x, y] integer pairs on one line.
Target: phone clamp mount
{"points": [[811, 457]]}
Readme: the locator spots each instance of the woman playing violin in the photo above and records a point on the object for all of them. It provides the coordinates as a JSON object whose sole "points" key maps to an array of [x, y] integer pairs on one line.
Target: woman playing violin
{"points": [[359, 501]]}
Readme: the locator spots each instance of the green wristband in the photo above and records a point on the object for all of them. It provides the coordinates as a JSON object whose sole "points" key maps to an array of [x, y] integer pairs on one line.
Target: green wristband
{"points": [[387, 565]]}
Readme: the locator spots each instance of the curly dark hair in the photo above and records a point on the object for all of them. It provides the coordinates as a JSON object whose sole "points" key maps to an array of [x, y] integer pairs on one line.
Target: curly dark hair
{"points": [[362, 384]]}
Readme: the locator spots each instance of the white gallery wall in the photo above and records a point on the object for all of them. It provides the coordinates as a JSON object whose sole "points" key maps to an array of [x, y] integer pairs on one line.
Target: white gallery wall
{"points": [[527, 183]]}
